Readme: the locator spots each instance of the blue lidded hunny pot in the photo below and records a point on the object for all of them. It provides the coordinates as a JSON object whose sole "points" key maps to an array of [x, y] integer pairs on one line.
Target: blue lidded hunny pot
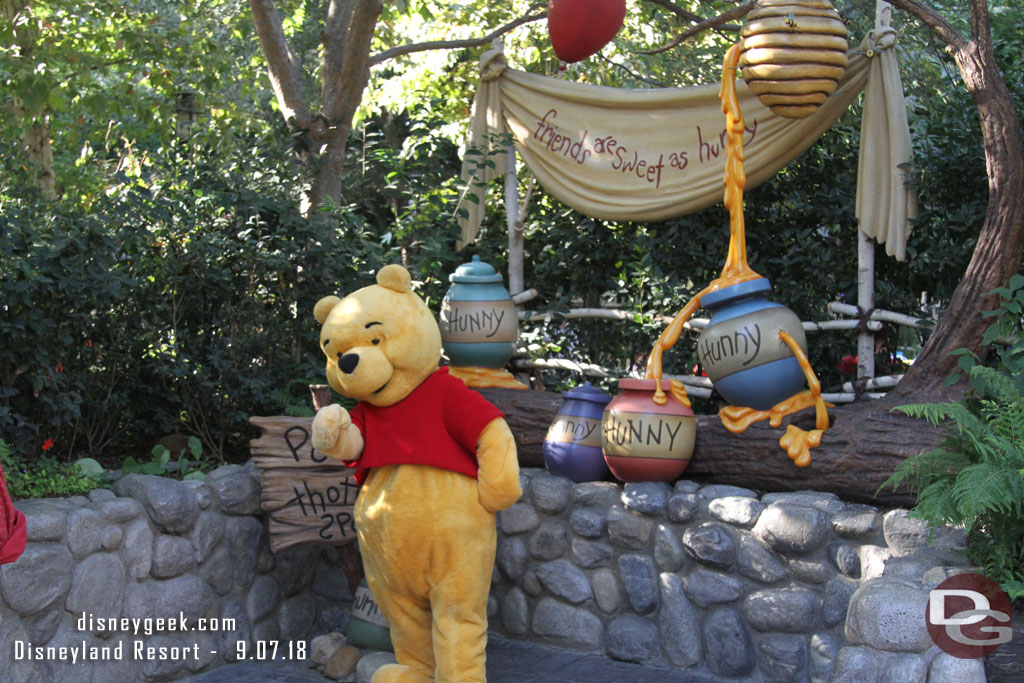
{"points": [[741, 351], [572, 447], [479, 321]]}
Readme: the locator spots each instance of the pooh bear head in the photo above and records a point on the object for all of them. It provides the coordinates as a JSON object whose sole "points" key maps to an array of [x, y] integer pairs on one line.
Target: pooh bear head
{"points": [[381, 341]]}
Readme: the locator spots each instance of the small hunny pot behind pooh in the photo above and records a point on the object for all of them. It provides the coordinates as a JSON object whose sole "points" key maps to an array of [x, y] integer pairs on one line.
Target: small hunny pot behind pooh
{"points": [[435, 459]]}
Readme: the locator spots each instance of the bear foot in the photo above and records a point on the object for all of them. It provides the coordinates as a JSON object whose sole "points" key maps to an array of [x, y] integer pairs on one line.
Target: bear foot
{"points": [[399, 673]]}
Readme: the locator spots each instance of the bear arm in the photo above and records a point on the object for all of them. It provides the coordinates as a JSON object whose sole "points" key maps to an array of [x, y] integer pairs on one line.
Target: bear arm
{"points": [[335, 436], [498, 467]]}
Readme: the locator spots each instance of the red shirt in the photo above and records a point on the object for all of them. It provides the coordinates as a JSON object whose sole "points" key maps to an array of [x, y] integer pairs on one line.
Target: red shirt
{"points": [[438, 424]]}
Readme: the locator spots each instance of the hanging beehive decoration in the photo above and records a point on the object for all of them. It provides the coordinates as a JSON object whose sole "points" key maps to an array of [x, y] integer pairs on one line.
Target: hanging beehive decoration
{"points": [[793, 54]]}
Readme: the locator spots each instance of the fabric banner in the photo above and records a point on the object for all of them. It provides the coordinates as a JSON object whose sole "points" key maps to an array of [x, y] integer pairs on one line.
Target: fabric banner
{"points": [[884, 211], [630, 155]]}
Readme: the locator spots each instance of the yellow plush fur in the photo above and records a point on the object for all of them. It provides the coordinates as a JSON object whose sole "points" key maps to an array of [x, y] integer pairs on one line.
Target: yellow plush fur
{"points": [[427, 535]]}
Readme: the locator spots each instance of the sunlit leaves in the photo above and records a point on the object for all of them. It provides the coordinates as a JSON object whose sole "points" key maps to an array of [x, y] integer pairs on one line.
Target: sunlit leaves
{"points": [[104, 75]]}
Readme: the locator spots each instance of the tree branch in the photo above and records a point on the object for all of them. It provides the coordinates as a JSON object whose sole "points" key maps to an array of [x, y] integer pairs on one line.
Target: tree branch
{"points": [[632, 73], [9, 9], [935, 21], [333, 39], [281, 66], [718, 22], [678, 11], [95, 67], [355, 68], [981, 28], [449, 44]]}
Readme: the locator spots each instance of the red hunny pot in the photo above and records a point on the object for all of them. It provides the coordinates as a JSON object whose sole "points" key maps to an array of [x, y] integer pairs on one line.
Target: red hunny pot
{"points": [[644, 441]]}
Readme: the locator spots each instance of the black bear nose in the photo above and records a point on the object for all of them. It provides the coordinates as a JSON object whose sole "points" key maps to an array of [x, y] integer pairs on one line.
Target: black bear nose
{"points": [[348, 362]]}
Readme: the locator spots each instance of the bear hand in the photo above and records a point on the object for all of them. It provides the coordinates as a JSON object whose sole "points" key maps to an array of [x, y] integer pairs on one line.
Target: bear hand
{"points": [[334, 435], [498, 484]]}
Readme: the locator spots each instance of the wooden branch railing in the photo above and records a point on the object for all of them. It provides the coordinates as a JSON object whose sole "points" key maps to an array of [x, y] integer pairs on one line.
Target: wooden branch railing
{"points": [[693, 325], [883, 315], [702, 386]]}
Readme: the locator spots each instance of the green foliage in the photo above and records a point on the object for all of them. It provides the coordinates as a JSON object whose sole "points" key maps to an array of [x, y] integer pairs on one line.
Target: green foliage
{"points": [[294, 398], [184, 467], [52, 265], [106, 78], [179, 303], [43, 477], [90, 467], [975, 478], [169, 287]]}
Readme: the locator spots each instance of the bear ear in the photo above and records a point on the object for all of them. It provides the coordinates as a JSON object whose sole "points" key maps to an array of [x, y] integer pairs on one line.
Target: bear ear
{"points": [[324, 307], [395, 277]]}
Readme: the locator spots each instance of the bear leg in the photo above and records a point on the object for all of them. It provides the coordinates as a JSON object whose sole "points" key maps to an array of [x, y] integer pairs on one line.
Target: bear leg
{"points": [[428, 549], [399, 673], [460, 622], [410, 635]]}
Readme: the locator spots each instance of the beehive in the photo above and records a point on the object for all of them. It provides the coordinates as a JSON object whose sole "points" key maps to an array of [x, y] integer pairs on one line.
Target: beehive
{"points": [[794, 53]]}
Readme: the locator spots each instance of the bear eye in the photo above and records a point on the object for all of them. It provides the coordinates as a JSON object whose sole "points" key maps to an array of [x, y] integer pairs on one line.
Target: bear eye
{"points": [[376, 341]]}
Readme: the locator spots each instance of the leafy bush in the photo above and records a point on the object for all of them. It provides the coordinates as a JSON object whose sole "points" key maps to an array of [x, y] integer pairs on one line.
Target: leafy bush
{"points": [[178, 304], [43, 477], [62, 274], [161, 464], [975, 478]]}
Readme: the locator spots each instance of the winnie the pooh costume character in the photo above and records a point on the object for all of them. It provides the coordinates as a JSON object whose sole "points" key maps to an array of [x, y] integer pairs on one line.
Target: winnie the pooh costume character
{"points": [[436, 461]]}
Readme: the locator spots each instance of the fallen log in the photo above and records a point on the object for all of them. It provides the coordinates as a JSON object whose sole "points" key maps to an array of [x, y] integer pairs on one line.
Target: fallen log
{"points": [[866, 442]]}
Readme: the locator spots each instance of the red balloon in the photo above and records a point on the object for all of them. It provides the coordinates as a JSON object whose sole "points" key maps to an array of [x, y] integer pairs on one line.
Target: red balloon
{"points": [[580, 28]]}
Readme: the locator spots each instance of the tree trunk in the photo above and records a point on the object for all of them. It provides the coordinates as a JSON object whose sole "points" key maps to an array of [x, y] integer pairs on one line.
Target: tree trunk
{"points": [[345, 70], [325, 189], [347, 35], [997, 255], [36, 139], [866, 442], [35, 136]]}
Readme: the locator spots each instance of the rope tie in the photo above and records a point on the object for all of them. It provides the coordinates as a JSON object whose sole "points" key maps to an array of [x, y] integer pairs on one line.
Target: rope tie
{"points": [[860, 385], [878, 39], [492, 65], [862, 319]]}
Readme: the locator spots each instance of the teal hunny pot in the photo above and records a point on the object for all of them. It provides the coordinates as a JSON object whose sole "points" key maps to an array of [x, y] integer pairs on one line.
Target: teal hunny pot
{"points": [[479, 321], [367, 627], [740, 349]]}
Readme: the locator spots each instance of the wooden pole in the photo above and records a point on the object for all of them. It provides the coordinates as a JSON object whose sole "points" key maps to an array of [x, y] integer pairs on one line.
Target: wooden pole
{"points": [[515, 230], [865, 301], [866, 257]]}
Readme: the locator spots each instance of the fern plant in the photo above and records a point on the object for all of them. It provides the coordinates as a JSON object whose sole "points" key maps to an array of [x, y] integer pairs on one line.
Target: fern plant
{"points": [[975, 477]]}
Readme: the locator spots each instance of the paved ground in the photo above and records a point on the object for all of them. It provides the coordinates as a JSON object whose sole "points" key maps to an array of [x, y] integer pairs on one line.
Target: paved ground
{"points": [[508, 661]]}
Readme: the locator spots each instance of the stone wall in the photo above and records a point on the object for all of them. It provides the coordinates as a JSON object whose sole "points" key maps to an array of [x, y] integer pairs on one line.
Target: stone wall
{"points": [[719, 581], [157, 548], [716, 580]]}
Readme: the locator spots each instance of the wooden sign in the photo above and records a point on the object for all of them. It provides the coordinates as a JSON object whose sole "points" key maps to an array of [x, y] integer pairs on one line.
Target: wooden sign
{"points": [[307, 496]]}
